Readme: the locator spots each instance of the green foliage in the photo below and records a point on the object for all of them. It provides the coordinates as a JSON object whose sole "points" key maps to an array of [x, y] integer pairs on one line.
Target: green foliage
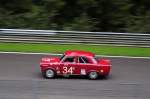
{"points": [[83, 15], [139, 23], [81, 23]]}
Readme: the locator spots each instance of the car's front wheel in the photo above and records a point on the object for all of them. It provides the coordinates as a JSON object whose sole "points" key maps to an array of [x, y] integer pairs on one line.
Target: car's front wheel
{"points": [[93, 75], [49, 73]]}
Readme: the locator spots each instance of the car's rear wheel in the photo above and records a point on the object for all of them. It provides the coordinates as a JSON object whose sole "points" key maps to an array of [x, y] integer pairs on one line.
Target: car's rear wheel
{"points": [[49, 73], [93, 75]]}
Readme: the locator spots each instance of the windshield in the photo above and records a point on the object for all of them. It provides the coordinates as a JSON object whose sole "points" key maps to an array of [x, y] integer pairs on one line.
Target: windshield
{"points": [[62, 57]]}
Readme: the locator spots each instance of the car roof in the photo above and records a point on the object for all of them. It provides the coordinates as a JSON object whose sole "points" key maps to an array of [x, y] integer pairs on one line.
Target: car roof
{"points": [[78, 53]]}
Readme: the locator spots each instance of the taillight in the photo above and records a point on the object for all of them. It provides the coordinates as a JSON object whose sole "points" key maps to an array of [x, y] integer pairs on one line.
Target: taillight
{"points": [[101, 71]]}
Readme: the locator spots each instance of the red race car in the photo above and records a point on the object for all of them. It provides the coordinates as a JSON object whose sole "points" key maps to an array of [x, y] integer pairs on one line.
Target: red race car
{"points": [[75, 63]]}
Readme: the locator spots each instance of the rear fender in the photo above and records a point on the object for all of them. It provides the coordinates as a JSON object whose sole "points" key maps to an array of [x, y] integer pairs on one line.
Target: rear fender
{"points": [[91, 71], [105, 66]]}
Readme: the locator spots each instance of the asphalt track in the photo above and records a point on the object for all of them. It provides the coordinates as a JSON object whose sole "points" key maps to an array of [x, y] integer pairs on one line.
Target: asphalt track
{"points": [[20, 78]]}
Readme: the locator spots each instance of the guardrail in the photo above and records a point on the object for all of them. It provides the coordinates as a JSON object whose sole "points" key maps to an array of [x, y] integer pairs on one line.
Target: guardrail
{"points": [[76, 37]]}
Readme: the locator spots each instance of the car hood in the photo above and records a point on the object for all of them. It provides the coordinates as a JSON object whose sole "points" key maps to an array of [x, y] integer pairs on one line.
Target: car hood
{"points": [[50, 60]]}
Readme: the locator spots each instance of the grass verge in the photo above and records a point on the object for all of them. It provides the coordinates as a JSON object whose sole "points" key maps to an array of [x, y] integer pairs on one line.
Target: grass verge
{"points": [[56, 48]]}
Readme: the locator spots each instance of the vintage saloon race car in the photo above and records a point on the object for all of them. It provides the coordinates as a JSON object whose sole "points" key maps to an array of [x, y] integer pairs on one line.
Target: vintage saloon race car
{"points": [[75, 63]]}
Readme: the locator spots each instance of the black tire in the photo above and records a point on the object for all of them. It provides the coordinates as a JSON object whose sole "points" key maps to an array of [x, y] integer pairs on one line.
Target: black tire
{"points": [[93, 75], [49, 73]]}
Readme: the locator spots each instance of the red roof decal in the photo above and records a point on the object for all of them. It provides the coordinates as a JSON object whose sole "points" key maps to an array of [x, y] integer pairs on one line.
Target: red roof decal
{"points": [[78, 53]]}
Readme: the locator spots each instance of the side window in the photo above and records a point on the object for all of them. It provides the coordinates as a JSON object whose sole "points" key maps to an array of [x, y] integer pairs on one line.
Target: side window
{"points": [[69, 59], [83, 60], [80, 60]]}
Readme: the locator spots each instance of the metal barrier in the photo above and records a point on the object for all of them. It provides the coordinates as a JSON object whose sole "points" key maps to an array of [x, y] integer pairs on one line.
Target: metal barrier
{"points": [[75, 37]]}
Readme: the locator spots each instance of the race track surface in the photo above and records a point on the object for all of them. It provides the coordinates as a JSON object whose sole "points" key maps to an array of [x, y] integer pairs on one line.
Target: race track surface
{"points": [[20, 78]]}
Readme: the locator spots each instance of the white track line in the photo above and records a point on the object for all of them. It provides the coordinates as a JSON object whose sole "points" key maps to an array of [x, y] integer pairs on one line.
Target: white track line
{"points": [[29, 53]]}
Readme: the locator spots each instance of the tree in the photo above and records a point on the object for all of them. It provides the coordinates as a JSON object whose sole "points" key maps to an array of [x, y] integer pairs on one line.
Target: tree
{"points": [[83, 15]]}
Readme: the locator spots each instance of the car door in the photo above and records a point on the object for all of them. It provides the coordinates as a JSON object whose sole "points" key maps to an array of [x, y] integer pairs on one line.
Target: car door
{"points": [[83, 63], [68, 66]]}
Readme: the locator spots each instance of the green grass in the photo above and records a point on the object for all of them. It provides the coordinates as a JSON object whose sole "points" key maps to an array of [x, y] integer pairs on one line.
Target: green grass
{"points": [[56, 48]]}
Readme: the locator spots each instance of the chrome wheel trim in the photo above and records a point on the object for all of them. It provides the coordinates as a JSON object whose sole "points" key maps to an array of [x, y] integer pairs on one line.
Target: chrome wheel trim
{"points": [[93, 75], [49, 73]]}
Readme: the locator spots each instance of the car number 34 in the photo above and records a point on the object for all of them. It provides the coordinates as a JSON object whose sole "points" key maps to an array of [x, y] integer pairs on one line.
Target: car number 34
{"points": [[67, 70]]}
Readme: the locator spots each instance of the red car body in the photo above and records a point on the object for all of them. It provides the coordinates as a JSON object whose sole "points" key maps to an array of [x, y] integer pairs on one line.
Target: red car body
{"points": [[75, 63]]}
